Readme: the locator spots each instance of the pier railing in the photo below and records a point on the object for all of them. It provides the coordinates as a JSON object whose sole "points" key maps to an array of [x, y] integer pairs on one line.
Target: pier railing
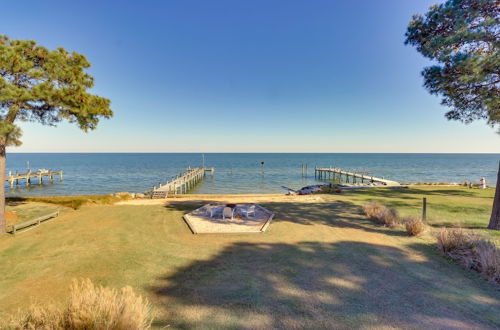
{"points": [[337, 173]]}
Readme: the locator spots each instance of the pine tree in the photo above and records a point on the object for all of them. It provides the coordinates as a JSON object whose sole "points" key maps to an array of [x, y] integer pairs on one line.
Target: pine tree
{"points": [[463, 37], [45, 86]]}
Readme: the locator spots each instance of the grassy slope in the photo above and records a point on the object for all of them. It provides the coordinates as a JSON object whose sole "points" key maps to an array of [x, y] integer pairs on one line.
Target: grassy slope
{"points": [[318, 265]]}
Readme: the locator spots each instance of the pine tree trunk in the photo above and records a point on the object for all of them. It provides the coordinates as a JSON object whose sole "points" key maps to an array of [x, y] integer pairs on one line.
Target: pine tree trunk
{"points": [[495, 213], [3, 224]]}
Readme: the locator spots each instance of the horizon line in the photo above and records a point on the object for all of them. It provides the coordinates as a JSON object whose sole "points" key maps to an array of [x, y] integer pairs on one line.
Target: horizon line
{"points": [[248, 152]]}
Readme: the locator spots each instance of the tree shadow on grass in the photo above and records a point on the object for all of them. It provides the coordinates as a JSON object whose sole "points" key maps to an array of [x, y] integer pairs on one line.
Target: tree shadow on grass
{"points": [[340, 214], [15, 201], [183, 207], [345, 284]]}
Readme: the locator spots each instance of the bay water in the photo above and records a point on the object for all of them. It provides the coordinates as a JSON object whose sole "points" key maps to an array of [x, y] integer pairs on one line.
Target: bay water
{"points": [[102, 173]]}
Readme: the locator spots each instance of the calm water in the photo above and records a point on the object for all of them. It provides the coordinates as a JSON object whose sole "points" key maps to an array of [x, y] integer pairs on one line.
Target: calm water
{"points": [[239, 173]]}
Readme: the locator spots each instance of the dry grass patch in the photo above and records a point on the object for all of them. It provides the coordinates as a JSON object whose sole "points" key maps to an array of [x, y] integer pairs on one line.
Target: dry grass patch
{"points": [[472, 251], [373, 210], [387, 216], [91, 307], [74, 202], [414, 226]]}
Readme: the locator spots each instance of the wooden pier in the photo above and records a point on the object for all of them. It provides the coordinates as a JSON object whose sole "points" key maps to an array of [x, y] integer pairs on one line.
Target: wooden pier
{"points": [[14, 178], [332, 173], [181, 183]]}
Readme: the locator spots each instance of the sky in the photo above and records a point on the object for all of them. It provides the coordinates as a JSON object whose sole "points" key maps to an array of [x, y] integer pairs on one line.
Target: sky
{"points": [[246, 76]]}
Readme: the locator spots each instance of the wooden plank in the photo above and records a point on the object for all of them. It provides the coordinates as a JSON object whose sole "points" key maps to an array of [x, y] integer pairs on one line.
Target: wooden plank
{"points": [[16, 227]]}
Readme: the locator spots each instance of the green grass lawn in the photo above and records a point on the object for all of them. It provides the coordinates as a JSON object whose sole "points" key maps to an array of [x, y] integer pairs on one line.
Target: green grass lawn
{"points": [[446, 206], [319, 265]]}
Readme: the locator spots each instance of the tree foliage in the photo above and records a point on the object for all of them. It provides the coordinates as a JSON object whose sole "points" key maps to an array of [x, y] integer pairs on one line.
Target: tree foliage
{"points": [[46, 86], [463, 37]]}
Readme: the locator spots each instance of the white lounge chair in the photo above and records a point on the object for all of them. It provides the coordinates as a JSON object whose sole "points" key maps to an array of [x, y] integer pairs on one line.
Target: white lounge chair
{"points": [[211, 210], [249, 210], [227, 212]]}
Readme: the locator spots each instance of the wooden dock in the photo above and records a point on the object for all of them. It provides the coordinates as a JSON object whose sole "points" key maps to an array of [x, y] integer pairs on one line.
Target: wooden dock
{"points": [[181, 183], [332, 173], [39, 175]]}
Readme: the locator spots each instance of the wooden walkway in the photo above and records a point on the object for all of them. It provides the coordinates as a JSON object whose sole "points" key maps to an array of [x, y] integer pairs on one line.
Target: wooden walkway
{"points": [[14, 178], [181, 183], [337, 173]]}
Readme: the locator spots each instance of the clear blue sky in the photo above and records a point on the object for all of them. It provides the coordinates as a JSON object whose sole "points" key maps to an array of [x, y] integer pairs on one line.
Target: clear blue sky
{"points": [[249, 76]]}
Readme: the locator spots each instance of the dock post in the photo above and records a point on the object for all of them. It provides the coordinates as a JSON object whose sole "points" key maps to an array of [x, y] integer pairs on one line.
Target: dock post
{"points": [[17, 180], [60, 176], [28, 178], [424, 209]]}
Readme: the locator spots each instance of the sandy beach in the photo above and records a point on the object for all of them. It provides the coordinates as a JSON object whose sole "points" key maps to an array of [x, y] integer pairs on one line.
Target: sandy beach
{"points": [[229, 198]]}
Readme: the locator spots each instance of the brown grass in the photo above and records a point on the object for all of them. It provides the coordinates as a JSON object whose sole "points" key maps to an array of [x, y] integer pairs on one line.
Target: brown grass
{"points": [[373, 210], [10, 218], [387, 216], [414, 226], [450, 240], [74, 202], [91, 307], [472, 251]]}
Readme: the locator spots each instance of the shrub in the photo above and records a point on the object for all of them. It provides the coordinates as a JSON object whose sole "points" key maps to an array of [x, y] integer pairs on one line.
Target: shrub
{"points": [[373, 210], [472, 251], [488, 259], [91, 307], [387, 216], [414, 226], [453, 240]]}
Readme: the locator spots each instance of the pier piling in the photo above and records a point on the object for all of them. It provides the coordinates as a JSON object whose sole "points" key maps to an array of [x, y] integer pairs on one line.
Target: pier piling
{"points": [[14, 178], [353, 176]]}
